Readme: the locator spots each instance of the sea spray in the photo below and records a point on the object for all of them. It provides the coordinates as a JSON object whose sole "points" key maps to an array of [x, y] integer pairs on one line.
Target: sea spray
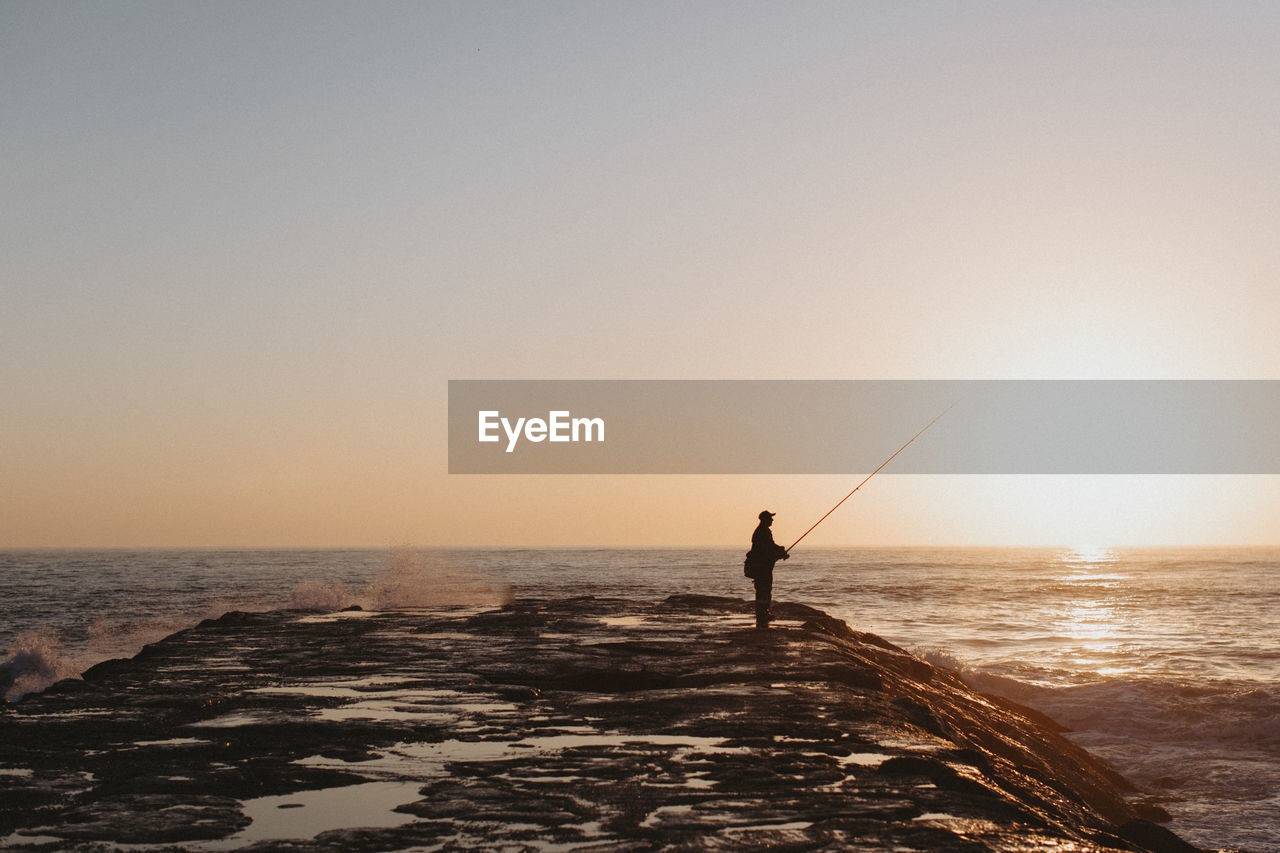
{"points": [[410, 579], [34, 661], [314, 595], [413, 579], [111, 636], [978, 679]]}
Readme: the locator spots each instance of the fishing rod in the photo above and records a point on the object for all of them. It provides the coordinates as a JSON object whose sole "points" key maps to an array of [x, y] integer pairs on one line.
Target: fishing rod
{"points": [[869, 476]]}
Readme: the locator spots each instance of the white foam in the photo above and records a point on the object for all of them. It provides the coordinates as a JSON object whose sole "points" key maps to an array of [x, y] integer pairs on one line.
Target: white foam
{"points": [[34, 661]]}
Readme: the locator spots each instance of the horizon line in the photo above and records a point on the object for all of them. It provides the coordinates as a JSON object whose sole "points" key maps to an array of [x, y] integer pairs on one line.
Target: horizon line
{"points": [[621, 547]]}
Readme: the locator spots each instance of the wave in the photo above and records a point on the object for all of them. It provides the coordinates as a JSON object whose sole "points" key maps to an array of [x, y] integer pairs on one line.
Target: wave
{"points": [[410, 579], [39, 657], [1209, 750], [1210, 712], [34, 661], [1211, 715]]}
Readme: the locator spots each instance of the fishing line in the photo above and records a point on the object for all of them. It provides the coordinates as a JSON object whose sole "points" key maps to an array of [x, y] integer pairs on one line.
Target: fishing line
{"points": [[869, 476]]}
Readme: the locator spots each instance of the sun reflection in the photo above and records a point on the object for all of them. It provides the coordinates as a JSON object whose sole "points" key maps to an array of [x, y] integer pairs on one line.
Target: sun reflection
{"points": [[1092, 555], [1093, 620], [1090, 614]]}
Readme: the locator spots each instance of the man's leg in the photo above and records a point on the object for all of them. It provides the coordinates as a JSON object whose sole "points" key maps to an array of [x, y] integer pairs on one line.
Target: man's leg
{"points": [[764, 596]]}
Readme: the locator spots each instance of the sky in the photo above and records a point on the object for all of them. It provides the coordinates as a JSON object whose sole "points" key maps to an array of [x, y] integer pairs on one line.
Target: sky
{"points": [[247, 245]]}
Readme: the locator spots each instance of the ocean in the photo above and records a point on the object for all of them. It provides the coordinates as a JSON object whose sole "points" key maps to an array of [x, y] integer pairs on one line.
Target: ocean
{"points": [[1165, 662]]}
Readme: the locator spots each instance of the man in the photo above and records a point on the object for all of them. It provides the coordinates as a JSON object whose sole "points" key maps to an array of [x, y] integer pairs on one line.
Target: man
{"points": [[759, 566]]}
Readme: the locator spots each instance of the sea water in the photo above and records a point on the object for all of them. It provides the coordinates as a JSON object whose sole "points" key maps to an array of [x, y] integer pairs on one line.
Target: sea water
{"points": [[1164, 662]]}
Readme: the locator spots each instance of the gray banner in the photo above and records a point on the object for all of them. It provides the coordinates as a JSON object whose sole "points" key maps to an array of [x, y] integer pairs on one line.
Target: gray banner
{"points": [[848, 426]]}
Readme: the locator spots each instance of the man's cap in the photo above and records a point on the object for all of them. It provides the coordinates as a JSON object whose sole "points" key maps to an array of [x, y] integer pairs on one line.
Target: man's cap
{"points": [[766, 514]]}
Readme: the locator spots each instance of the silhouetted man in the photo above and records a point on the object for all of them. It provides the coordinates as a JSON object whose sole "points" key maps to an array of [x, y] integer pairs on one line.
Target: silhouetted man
{"points": [[759, 566]]}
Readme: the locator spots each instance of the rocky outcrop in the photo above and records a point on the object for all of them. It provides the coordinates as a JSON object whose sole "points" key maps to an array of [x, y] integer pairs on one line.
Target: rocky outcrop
{"points": [[586, 723]]}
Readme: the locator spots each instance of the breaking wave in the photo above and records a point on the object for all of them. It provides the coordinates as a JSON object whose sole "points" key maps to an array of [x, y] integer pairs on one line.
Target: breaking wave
{"points": [[409, 579], [1209, 750], [1209, 711], [34, 661]]}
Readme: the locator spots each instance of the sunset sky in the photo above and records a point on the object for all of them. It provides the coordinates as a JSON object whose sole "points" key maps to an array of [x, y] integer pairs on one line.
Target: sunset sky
{"points": [[246, 245]]}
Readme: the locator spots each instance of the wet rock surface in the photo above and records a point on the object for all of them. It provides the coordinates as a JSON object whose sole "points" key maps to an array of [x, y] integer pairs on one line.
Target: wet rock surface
{"points": [[572, 724]]}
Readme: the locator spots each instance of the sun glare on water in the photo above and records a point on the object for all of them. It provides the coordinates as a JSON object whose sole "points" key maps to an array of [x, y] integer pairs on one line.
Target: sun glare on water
{"points": [[1090, 555], [1091, 613]]}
